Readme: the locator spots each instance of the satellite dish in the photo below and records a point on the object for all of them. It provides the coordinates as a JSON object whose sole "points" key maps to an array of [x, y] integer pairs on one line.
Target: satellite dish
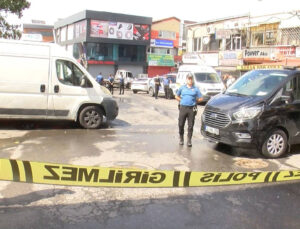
{"points": [[205, 40]]}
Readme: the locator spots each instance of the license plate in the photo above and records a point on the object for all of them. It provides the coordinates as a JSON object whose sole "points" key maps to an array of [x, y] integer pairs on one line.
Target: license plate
{"points": [[212, 130]]}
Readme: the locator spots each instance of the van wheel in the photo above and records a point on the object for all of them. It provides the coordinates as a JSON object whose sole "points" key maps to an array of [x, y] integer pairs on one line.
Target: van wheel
{"points": [[134, 91], [91, 117], [275, 144], [151, 92]]}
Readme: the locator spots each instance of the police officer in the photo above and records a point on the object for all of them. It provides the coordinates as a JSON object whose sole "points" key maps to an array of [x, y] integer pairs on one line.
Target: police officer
{"points": [[111, 83], [157, 85], [122, 85], [166, 83], [188, 96]]}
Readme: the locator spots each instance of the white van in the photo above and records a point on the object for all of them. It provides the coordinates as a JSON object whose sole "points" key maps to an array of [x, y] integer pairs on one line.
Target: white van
{"points": [[128, 77], [41, 81], [205, 78]]}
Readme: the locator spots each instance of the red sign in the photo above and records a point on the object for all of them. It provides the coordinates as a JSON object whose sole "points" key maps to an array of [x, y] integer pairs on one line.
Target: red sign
{"points": [[101, 62], [287, 51]]}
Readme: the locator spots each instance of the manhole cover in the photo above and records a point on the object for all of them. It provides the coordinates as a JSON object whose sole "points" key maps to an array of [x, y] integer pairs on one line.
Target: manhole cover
{"points": [[251, 163]]}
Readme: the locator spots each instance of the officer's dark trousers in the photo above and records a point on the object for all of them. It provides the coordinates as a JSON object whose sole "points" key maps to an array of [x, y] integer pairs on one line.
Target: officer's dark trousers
{"points": [[186, 112], [111, 88], [122, 89], [156, 90], [166, 88]]}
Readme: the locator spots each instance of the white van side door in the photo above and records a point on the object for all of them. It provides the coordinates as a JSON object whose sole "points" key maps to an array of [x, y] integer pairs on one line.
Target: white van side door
{"points": [[66, 93], [23, 83]]}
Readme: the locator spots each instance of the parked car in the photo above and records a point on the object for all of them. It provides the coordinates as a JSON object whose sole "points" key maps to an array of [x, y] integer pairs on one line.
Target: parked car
{"points": [[161, 91], [261, 109], [140, 84]]}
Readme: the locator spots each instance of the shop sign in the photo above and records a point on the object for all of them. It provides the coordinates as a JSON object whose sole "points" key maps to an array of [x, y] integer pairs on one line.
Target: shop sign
{"points": [[298, 52], [101, 62], [162, 43], [254, 66], [257, 53], [192, 58], [223, 34], [287, 51], [160, 60], [210, 59], [230, 58]]}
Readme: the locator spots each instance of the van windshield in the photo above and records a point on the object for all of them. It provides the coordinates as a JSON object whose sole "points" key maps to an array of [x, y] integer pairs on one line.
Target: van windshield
{"points": [[207, 77], [257, 83]]}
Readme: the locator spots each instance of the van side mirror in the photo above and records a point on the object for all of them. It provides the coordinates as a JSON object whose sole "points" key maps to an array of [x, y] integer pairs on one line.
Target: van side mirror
{"points": [[286, 98]]}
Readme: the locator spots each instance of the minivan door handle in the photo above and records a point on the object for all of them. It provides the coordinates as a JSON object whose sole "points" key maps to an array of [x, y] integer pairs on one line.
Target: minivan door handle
{"points": [[43, 88], [56, 88]]}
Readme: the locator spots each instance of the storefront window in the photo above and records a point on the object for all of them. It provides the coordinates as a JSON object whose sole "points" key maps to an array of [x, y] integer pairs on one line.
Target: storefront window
{"points": [[257, 39], [131, 53], [99, 51]]}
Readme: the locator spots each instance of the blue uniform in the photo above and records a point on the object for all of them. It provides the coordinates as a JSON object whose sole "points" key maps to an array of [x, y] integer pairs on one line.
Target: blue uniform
{"points": [[166, 82], [188, 95], [99, 78]]}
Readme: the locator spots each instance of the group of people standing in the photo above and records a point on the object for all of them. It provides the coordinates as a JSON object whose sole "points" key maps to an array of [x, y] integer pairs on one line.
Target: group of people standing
{"points": [[166, 83], [110, 81]]}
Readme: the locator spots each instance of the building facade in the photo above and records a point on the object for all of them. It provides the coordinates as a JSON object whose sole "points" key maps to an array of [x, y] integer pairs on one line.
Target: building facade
{"points": [[163, 51], [105, 42], [37, 32], [238, 44]]}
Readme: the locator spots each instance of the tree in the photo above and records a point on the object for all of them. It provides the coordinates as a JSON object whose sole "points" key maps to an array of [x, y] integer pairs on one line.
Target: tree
{"points": [[7, 7]]}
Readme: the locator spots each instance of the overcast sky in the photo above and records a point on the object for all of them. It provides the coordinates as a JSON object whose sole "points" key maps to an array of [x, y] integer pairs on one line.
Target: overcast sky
{"points": [[197, 10]]}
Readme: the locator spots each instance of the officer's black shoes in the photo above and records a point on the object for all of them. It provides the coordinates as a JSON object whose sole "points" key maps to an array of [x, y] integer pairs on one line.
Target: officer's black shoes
{"points": [[181, 140], [189, 143]]}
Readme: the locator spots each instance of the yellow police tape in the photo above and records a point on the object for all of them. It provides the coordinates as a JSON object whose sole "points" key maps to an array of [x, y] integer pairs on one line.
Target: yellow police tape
{"points": [[61, 174]]}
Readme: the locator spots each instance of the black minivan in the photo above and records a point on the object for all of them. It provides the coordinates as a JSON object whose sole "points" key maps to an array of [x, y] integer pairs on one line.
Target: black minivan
{"points": [[261, 109]]}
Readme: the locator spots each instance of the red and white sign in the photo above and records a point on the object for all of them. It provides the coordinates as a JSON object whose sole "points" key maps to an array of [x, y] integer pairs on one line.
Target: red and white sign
{"points": [[289, 51]]}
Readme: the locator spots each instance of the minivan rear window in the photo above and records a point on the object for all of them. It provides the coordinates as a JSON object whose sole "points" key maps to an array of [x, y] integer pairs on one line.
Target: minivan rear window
{"points": [[207, 77], [257, 83]]}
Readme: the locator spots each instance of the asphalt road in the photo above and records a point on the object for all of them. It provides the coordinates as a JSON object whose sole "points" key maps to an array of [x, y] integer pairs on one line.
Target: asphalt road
{"points": [[144, 135]]}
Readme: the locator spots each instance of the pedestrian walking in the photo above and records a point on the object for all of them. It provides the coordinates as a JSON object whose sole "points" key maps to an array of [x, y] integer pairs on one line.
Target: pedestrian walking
{"points": [[111, 83], [157, 84], [122, 84], [99, 78], [166, 83], [188, 96]]}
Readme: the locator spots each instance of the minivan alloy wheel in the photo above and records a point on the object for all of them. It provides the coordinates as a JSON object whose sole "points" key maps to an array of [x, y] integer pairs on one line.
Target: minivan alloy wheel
{"points": [[275, 144]]}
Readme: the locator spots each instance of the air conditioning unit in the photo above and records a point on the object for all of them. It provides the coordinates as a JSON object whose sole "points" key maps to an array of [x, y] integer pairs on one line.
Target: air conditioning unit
{"points": [[210, 29]]}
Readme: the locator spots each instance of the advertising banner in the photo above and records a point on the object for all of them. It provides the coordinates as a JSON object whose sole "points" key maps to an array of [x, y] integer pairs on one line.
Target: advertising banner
{"points": [[99, 29], [112, 30], [162, 43], [124, 31], [230, 58], [160, 60], [141, 32], [116, 30], [80, 29]]}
